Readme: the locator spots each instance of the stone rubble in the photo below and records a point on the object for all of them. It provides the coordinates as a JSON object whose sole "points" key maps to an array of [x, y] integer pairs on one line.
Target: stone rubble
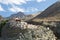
{"points": [[22, 31]]}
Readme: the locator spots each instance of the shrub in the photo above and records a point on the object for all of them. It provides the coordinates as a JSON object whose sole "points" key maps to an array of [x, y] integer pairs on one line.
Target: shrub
{"points": [[2, 23]]}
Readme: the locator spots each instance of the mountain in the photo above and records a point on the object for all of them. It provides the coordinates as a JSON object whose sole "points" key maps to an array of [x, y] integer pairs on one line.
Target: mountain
{"points": [[52, 13], [35, 14], [19, 15], [30, 16]]}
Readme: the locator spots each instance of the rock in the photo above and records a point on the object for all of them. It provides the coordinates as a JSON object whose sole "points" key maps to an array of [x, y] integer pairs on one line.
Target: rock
{"points": [[14, 30], [54, 26]]}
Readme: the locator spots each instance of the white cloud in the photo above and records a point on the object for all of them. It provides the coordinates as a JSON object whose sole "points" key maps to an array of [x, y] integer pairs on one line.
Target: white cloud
{"points": [[18, 2], [34, 9], [40, 0], [12, 9], [1, 9], [31, 9], [16, 9]]}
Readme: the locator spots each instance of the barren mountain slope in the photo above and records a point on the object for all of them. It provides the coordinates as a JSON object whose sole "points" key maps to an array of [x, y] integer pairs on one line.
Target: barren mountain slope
{"points": [[52, 13]]}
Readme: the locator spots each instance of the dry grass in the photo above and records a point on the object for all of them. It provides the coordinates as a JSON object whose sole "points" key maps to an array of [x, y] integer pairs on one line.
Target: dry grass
{"points": [[47, 19]]}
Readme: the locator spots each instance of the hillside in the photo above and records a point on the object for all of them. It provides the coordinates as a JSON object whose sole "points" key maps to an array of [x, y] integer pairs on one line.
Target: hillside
{"points": [[52, 13], [19, 30], [30, 16]]}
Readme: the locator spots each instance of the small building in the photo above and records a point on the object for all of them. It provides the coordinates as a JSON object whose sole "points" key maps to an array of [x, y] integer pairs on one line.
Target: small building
{"points": [[17, 19]]}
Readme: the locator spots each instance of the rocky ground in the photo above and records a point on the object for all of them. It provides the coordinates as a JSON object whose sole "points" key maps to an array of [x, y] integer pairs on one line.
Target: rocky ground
{"points": [[16, 30]]}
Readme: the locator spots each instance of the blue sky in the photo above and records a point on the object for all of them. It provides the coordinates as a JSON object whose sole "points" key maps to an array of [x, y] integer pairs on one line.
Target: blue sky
{"points": [[8, 7]]}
